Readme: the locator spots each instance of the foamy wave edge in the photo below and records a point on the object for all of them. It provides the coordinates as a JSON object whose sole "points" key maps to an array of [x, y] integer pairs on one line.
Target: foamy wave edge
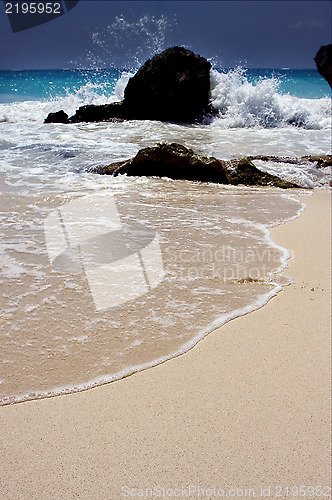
{"points": [[219, 322]]}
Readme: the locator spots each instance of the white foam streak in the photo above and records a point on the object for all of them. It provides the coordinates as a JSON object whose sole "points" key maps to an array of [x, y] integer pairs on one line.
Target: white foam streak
{"points": [[121, 85]]}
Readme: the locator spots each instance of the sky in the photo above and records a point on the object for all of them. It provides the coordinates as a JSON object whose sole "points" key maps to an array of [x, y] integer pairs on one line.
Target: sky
{"points": [[255, 34]]}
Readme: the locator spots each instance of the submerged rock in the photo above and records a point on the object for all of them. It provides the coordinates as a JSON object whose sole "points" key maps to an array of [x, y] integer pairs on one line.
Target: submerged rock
{"points": [[178, 162], [243, 171], [321, 161], [173, 86], [323, 60]]}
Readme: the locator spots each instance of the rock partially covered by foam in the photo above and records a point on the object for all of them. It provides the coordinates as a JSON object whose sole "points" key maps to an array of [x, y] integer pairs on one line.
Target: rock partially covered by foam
{"points": [[323, 60], [178, 162], [173, 86]]}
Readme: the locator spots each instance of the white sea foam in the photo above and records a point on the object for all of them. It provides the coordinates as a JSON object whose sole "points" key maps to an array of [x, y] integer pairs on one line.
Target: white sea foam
{"points": [[243, 104], [121, 85], [307, 175]]}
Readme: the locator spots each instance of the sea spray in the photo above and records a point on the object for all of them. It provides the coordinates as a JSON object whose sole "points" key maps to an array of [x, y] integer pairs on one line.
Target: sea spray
{"points": [[130, 41], [241, 103]]}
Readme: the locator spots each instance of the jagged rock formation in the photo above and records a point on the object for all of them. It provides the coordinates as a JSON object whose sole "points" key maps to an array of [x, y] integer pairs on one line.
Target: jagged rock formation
{"points": [[178, 162]]}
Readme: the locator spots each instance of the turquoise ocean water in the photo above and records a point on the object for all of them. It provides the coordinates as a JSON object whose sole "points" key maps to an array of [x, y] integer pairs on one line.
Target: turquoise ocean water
{"points": [[46, 84]]}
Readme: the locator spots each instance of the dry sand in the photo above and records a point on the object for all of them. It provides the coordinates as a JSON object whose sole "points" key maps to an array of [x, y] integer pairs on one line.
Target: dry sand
{"points": [[249, 406]]}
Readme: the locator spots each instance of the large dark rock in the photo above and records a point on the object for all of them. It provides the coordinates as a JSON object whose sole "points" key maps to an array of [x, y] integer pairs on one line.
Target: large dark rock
{"points": [[58, 117], [173, 86], [323, 60], [170, 160], [178, 162]]}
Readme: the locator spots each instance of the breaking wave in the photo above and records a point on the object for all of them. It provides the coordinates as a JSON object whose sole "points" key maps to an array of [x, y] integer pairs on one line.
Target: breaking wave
{"points": [[240, 103]]}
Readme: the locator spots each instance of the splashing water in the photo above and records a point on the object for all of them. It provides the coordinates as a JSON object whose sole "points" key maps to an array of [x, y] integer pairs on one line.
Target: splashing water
{"points": [[133, 42], [241, 103], [256, 114]]}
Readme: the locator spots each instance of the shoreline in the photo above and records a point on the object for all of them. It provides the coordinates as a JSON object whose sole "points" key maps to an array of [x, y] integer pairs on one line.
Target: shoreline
{"points": [[256, 301], [258, 415]]}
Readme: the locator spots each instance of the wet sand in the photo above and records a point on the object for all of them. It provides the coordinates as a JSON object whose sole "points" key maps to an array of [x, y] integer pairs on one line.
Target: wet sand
{"points": [[247, 408]]}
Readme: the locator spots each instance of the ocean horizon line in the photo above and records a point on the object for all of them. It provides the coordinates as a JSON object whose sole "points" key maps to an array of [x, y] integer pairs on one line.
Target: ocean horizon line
{"points": [[124, 68]]}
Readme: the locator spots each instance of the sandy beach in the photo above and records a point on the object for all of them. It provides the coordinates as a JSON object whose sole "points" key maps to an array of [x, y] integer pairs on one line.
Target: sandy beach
{"points": [[245, 413]]}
